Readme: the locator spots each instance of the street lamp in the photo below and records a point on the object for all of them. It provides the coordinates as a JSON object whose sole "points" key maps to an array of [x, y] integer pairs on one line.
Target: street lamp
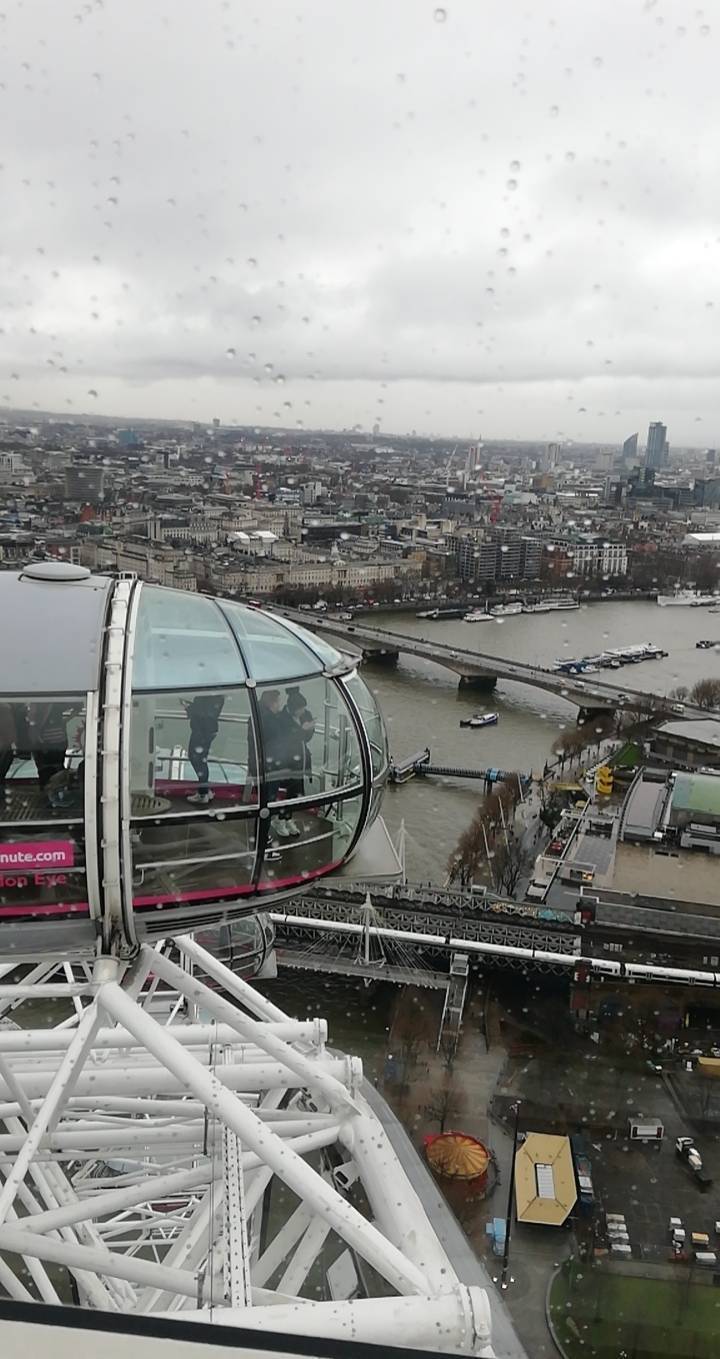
{"points": [[511, 1185]]}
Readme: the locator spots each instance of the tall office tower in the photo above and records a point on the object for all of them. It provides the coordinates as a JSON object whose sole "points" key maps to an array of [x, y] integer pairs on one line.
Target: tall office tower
{"points": [[629, 450], [656, 440]]}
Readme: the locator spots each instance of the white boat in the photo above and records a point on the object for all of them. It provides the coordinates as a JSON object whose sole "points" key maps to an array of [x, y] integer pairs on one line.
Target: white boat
{"points": [[688, 598], [480, 720], [552, 604], [507, 610], [563, 601], [477, 616]]}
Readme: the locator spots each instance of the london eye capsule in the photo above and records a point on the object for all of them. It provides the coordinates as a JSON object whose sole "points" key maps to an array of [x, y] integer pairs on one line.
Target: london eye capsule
{"points": [[167, 760]]}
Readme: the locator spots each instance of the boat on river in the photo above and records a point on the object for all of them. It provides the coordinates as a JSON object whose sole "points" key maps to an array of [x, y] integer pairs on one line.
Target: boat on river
{"points": [[611, 659], [477, 616], [552, 604], [688, 598], [480, 720], [436, 614], [509, 610]]}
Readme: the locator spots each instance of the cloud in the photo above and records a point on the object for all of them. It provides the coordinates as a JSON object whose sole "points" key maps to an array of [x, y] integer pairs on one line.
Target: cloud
{"points": [[505, 221]]}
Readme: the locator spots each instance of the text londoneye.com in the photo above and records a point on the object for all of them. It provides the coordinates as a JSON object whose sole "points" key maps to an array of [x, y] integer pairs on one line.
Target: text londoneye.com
{"points": [[38, 854]]}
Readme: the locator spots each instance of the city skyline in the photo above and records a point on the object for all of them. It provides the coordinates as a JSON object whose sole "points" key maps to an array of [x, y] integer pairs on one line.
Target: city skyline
{"points": [[422, 219]]}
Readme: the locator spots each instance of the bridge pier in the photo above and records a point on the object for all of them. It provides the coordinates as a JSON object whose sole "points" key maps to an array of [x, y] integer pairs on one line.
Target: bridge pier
{"points": [[485, 683], [592, 714], [380, 655]]}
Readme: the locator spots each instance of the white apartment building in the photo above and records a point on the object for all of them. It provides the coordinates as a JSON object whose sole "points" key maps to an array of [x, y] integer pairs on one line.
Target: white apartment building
{"points": [[598, 558], [201, 531]]}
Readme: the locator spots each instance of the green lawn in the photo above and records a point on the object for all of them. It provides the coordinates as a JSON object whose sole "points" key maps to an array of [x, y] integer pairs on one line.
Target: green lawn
{"points": [[608, 1315]]}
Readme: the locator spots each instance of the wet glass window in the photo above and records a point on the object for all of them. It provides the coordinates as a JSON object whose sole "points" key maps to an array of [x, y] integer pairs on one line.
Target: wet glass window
{"points": [[373, 723], [208, 859], [304, 841], [190, 749], [271, 650], [330, 657], [182, 638], [309, 738], [42, 765]]}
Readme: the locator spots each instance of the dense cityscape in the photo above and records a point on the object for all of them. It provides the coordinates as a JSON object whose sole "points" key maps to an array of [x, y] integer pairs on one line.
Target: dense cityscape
{"points": [[353, 518]]}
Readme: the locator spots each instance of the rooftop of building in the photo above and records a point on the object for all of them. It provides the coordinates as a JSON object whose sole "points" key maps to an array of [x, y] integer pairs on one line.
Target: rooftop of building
{"points": [[696, 793], [704, 730], [545, 1189], [650, 870]]}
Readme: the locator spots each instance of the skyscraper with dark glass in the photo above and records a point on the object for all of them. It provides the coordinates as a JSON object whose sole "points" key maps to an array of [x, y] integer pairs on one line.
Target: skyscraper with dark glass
{"points": [[656, 440]]}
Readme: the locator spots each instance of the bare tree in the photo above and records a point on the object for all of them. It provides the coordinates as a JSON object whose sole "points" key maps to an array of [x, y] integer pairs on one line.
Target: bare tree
{"points": [[706, 693], [512, 861], [443, 1107], [495, 809], [570, 743]]}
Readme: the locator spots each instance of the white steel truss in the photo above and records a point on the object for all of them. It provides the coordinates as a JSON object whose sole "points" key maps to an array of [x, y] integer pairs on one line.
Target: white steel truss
{"points": [[177, 1146]]}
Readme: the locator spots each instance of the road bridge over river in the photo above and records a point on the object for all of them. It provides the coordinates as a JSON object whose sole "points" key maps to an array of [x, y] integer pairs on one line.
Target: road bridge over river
{"points": [[482, 671]]}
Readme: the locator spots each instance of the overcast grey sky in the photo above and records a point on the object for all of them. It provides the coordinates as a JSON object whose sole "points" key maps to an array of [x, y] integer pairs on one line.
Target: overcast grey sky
{"points": [[502, 216]]}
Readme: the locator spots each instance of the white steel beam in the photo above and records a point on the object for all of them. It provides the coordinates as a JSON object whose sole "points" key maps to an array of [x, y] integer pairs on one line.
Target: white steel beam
{"points": [[58, 1093], [198, 1231], [250, 1077], [48, 991], [37, 1272], [98, 1260], [252, 1031], [395, 1205], [456, 1323], [161, 1187], [237, 1250], [312, 1031], [290, 1122], [253, 1001], [118, 1200], [284, 1240], [50, 1181], [305, 1256], [350, 1225]]}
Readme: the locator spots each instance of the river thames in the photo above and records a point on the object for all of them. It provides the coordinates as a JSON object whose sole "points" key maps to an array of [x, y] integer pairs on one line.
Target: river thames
{"points": [[423, 706]]}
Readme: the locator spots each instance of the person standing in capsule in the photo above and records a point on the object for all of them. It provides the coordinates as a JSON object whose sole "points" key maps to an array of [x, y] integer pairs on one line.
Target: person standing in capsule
{"points": [[204, 716]]}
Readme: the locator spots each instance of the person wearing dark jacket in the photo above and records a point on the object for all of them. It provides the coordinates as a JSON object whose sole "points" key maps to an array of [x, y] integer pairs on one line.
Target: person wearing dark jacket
{"points": [[204, 715], [47, 734], [297, 709]]}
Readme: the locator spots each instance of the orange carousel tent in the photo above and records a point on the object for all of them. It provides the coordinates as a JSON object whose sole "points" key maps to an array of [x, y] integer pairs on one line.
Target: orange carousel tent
{"points": [[457, 1156]]}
